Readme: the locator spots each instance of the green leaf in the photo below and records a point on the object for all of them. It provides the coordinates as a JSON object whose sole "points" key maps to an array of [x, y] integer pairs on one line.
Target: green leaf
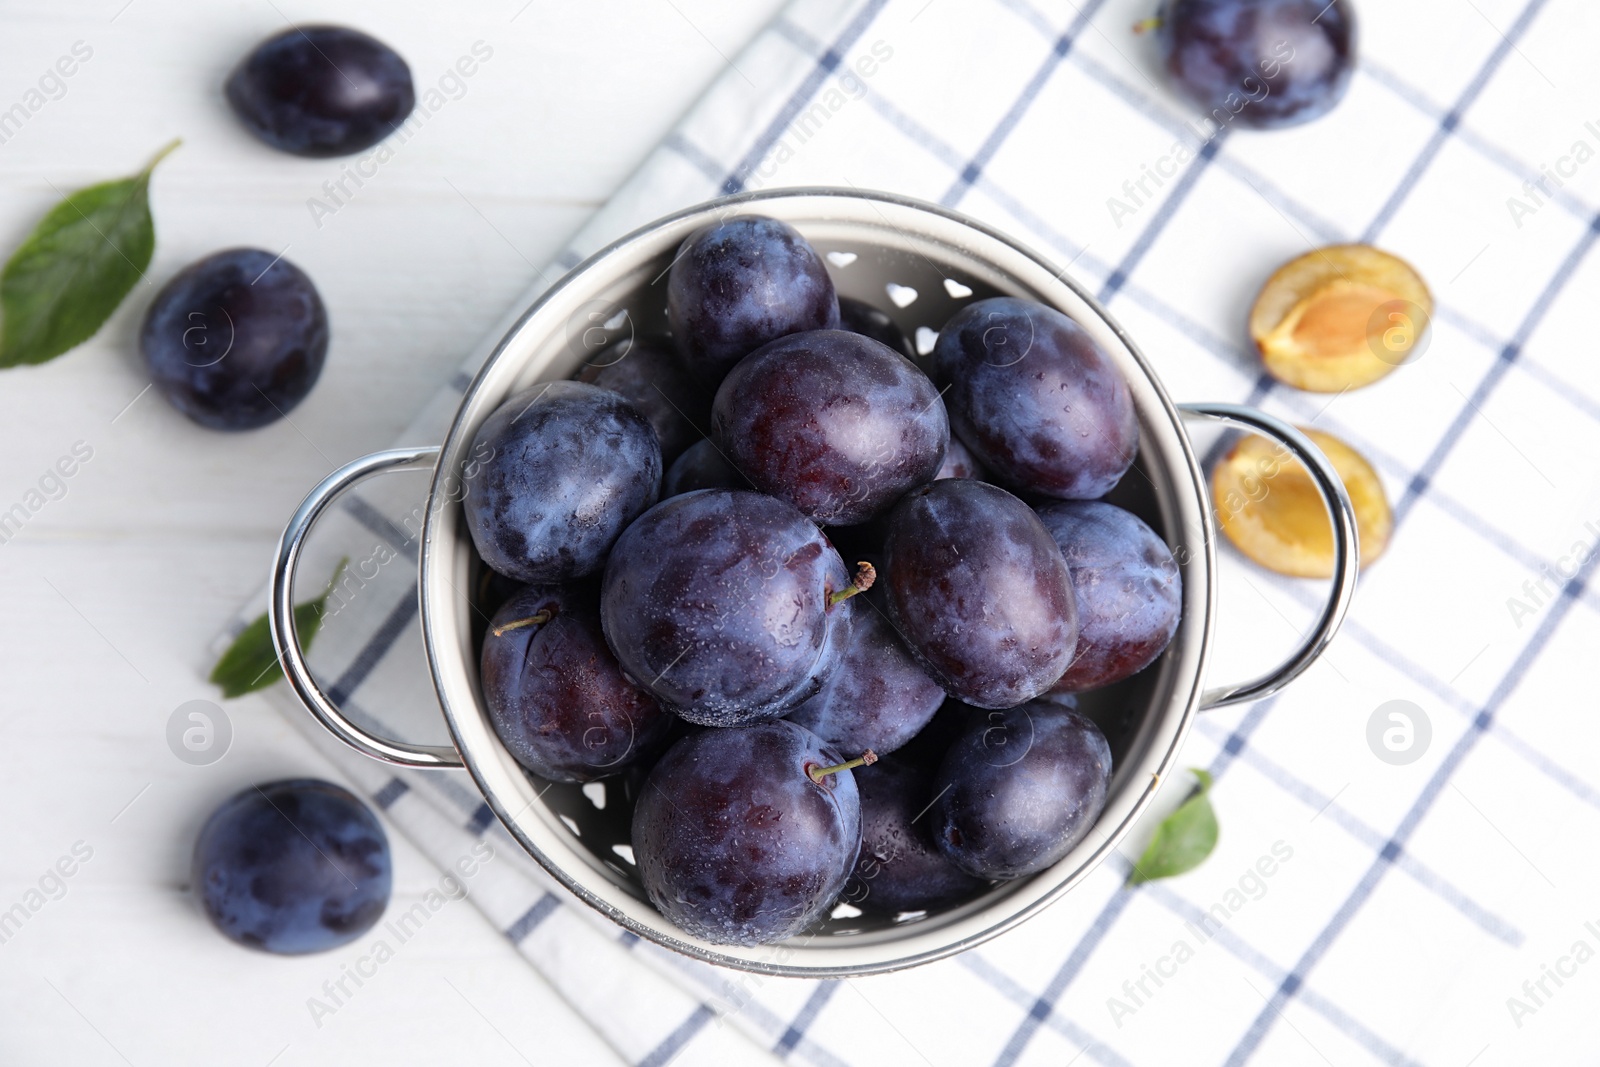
{"points": [[1183, 840], [75, 268], [251, 662]]}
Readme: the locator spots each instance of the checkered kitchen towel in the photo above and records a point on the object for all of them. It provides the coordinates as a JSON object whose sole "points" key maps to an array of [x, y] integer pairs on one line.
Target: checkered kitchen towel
{"points": [[1438, 911]]}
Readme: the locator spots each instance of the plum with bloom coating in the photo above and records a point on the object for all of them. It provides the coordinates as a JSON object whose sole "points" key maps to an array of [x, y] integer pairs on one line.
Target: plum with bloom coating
{"points": [[236, 340], [649, 375], [900, 869], [737, 284], [878, 697], [835, 423], [1265, 64], [556, 695], [293, 866], [1036, 399], [1129, 593], [1019, 789], [321, 91], [722, 602], [980, 592], [568, 467], [738, 841]]}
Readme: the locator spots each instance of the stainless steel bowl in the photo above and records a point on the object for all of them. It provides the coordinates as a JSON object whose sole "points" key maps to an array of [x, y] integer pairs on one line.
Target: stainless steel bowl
{"points": [[871, 241]]}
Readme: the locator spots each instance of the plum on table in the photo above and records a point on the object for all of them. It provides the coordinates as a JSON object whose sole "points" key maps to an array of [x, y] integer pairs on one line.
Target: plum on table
{"points": [[1264, 64], [236, 340], [321, 91], [292, 867]]}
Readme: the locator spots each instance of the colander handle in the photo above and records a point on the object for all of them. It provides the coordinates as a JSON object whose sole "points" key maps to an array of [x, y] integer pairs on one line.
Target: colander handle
{"points": [[286, 636], [1346, 551]]}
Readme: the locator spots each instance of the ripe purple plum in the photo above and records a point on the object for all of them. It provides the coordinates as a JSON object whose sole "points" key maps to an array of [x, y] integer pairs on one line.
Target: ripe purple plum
{"points": [[900, 869], [650, 376], [557, 696], [740, 839], [727, 605], [878, 697], [566, 468], [1019, 789], [1265, 64], [835, 423], [980, 592], [1129, 591], [1038, 402], [739, 283]]}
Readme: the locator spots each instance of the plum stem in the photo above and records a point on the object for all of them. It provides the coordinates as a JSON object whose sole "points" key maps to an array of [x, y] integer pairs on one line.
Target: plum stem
{"points": [[866, 574], [866, 759], [1146, 25], [516, 624]]}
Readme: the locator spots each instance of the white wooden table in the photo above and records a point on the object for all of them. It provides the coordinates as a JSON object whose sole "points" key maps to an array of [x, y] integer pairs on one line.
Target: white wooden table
{"points": [[113, 592]]}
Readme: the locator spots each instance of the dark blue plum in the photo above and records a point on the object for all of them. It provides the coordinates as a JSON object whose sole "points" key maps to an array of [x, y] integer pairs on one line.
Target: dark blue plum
{"points": [[321, 91], [878, 697], [1019, 789], [835, 423], [1129, 592], [236, 340], [959, 462], [562, 469], [557, 696], [858, 316], [649, 375], [293, 866], [980, 592], [1036, 399], [702, 466], [738, 284], [1265, 64], [900, 869], [720, 602], [737, 843]]}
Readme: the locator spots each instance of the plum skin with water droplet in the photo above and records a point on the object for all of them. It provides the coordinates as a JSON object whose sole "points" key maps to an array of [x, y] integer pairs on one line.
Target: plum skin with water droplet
{"points": [[980, 592], [1019, 789], [1035, 399], [736, 843], [555, 694], [565, 468], [236, 340], [292, 867], [739, 283], [900, 869], [1130, 594], [648, 374], [835, 423], [878, 696], [717, 602]]}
